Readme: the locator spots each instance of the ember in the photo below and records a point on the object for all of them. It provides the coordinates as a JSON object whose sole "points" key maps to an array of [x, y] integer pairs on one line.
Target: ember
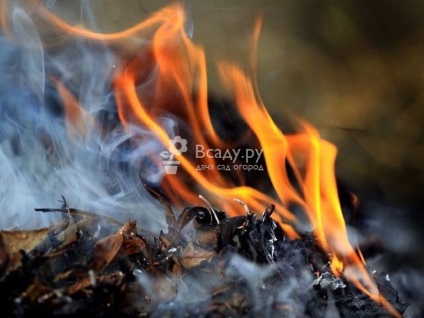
{"points": [[139, 128]]}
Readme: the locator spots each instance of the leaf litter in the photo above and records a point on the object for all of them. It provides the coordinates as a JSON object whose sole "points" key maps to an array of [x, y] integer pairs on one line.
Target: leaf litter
{"points": [[206, 264]]}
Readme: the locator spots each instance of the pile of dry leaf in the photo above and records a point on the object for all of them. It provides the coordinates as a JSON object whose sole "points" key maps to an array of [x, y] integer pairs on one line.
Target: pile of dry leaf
{"points": [[205, 264]]}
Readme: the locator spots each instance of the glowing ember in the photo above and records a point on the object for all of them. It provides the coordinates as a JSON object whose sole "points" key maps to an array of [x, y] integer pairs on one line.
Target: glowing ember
{"points": [[164, 73]]}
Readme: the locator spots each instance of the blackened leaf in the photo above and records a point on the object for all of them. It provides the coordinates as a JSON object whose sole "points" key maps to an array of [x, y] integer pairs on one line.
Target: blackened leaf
{"points": [[188, 214]]}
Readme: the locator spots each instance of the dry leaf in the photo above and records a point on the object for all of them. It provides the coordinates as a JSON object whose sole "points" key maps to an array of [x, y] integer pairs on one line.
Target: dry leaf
{"points": [[157, 285], [14, 241], [129, 228], [193, 256], [164, 288], [171, 220], [105, 251], [133, 245], [207, 239]]}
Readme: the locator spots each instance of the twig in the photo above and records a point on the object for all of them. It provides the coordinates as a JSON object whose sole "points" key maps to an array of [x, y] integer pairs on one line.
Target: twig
{"points": [[210, 206], [244, 205]]}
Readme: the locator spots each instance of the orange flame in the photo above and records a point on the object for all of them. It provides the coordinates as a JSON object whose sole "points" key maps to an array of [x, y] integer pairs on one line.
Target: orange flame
{"points": [[179, 87]]}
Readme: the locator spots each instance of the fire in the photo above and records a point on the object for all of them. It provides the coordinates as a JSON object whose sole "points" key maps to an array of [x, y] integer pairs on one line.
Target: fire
{"points": [[162, 72]]}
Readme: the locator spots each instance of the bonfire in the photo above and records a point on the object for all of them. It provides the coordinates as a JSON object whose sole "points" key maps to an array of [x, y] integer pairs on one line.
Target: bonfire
{"points": [[169, 207]]}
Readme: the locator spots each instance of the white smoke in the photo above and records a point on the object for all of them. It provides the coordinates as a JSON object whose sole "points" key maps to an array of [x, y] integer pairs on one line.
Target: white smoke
{"points": [[104, 171]]}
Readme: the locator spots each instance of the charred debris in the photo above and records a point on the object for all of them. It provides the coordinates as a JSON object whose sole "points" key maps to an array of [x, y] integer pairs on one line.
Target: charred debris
{"points": [[204, 265]]}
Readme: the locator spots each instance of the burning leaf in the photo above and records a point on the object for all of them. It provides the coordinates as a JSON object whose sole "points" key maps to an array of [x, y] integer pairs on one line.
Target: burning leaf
{"points": [[154, 281], [327, 280]]}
